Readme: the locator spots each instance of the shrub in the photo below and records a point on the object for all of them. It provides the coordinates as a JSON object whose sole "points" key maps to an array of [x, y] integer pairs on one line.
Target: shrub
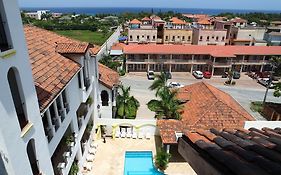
{"points": [[162, 159], [122, 72]]}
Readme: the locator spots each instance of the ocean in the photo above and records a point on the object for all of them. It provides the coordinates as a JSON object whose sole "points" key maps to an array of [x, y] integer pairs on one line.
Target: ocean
{"points": [[118, 10]]}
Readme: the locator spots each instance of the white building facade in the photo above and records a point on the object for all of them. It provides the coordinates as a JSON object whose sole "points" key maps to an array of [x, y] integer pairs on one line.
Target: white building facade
{"points": [[47, 109]]}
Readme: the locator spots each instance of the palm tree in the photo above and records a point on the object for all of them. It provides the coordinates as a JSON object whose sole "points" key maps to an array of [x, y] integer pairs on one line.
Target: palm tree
{"points": [[127, 105], [162, 159], [168, 107], [159, 82]]}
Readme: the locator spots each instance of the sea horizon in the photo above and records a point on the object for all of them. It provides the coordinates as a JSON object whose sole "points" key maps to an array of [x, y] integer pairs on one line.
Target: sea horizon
{"points": [[119, 10]]}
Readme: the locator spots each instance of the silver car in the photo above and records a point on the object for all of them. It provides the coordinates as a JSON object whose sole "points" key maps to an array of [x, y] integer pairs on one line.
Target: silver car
{"points": [[198, 74]]}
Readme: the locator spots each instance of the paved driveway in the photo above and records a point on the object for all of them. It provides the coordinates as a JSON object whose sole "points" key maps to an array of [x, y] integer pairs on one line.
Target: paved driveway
{"points": [[245, 90]]}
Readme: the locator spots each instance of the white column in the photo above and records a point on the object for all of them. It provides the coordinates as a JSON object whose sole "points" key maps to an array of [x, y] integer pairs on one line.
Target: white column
{"points": [[261, 68], [213, 69], [168, 148], [49, 119], [82, 79], [56, 112], [62, 105], [148, 60], [170, 67]]}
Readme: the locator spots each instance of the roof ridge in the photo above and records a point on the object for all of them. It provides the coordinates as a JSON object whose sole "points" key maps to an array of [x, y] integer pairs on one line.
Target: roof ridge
{"points": [[107, 67]]}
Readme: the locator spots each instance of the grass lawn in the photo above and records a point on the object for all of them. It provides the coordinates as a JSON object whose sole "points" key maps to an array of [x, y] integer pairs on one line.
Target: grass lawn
{"points": [[85, 35]]}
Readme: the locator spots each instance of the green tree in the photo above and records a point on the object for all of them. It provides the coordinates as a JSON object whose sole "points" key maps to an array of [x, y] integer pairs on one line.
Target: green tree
{"points": [[127, 105], [277, 72], [74, 169], [162, 159], [168, 106], [107, 61], [159, 83]]}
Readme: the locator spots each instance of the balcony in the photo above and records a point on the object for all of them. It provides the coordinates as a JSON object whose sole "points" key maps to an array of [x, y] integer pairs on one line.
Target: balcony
{"points": [[222, 64], [260, 62]]}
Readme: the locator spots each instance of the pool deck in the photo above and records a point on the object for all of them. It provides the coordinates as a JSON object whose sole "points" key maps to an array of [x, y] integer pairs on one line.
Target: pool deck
{"points": [[110, 156]]}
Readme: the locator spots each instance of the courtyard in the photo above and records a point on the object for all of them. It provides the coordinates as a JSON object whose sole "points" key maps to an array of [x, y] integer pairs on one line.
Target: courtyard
{"points": [[245, 91], [110, 157]]}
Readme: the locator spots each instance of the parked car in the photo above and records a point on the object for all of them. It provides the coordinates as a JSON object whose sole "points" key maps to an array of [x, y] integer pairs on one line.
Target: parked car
{"points": [[150, 75], [265, 82], [262, 75], [175, 85], [168, 75], [236, 75], [198, 74], [225, 75], [207, 74]]}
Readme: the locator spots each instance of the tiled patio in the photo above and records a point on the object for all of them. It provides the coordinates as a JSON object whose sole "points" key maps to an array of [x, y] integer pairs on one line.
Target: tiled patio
{"points": [[109, 158]]}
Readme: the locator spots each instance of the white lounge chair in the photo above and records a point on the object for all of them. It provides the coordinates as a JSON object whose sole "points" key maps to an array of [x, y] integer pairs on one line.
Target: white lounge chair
{"points": [[134, 135], [92, 151], [147, 135], [88, 166], [94, 145], [90, 158], [129, 133], [123, 133], [140, 135], [117, 133]]}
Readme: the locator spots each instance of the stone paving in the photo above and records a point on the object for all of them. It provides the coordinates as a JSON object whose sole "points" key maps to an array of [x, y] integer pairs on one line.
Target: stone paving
{"points": [[110, 156]]}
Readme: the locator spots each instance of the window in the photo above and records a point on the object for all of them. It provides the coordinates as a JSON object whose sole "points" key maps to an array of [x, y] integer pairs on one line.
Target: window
{"points": [[189, 37], [138, 37], [104, 98], [222, 38], [147, 37], [4, 45], [183, 38], [201, 38], [213, 37], [167, 38], [65, 101], [17, 95], [31, 153], [131, 38], [142, 36], [217, 38], [178, 37], [79, 80], [153, 37], [208, 38], [174, 38]]}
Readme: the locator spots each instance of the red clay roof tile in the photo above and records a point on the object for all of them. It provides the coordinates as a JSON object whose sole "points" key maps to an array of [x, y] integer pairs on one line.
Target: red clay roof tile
{"points": [[108, 77], [51, 71]]}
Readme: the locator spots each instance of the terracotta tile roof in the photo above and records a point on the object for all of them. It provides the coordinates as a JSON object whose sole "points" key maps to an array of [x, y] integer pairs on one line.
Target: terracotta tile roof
{"points": [[75, 48], [135, 21], [219, 51], [51, 71], [207, 108], [146, 19], [253, 151], [118, 46], [167, 129], [238, 20], [94, 50], [176, 20], [107, 76], [204, 21]]}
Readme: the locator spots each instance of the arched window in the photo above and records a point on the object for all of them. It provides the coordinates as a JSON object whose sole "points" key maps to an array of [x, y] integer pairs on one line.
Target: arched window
{"points": [[31, 153], [104, 98], [17, 95]]}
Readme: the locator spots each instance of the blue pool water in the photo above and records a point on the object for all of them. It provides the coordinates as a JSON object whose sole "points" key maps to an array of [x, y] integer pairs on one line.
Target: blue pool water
{"points": [[139, 163]]}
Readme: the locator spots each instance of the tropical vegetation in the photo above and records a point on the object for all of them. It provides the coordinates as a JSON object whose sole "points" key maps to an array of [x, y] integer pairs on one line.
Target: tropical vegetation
{"points": [[107, 60], [127, 105], [162, 159], [74, 169], [167, 106]]}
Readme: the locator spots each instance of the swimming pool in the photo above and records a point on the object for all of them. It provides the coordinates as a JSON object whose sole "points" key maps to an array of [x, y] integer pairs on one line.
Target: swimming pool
{"points": [[139, 163]]}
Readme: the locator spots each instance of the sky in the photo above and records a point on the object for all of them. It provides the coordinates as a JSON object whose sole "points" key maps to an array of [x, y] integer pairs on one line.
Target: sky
{"points": [[209, 4]]}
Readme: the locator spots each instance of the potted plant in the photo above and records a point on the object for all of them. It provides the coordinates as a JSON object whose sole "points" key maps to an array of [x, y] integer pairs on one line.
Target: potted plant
{"points": [[74, 169], [162, 159], [89, 101]]}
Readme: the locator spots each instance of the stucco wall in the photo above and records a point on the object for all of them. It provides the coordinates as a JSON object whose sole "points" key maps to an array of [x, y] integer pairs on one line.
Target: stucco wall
{"points": [[212, 34], [178, 36], [105, 111], [143, 34]]}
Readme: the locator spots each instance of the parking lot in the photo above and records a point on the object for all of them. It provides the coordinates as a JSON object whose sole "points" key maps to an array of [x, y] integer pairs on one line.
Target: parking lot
{"points": [[245, 90]]}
